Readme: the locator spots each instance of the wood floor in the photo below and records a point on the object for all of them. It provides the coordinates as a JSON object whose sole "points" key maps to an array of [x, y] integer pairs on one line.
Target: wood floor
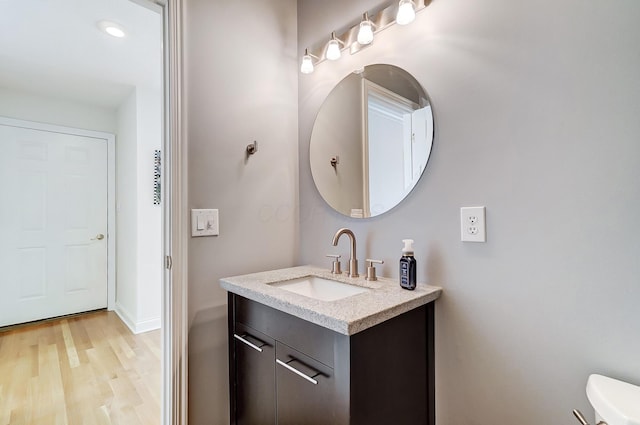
{"points": [[82, 370]]}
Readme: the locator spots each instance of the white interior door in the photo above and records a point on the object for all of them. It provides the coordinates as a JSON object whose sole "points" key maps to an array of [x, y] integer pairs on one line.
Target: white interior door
{"points": [[53, 224]]}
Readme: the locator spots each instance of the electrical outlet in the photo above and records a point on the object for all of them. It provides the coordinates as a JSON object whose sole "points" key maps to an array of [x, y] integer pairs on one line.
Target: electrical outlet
{"points": [[472, 224]]}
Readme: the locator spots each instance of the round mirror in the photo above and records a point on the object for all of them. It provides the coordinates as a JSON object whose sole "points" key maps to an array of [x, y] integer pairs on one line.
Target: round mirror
{"points": [[371, 141]]}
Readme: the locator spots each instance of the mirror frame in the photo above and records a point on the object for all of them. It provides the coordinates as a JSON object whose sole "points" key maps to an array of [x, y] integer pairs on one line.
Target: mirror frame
{"points": [[328, 145]]}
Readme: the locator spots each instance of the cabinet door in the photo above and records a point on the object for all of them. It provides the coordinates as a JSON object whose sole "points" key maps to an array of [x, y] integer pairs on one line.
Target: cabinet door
{"points": [[255, 377], [305, 389]]}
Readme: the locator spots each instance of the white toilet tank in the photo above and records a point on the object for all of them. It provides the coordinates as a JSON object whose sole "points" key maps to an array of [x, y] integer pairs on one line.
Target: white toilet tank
{"points": [[615, 402]]}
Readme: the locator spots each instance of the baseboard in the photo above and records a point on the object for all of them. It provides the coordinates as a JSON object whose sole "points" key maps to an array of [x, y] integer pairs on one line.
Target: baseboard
{"points": [[136, 327], [148, 325]]}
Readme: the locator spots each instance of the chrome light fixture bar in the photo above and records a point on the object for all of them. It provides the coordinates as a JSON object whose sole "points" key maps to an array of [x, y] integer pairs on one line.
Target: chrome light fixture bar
{"points": [[360, 34]]}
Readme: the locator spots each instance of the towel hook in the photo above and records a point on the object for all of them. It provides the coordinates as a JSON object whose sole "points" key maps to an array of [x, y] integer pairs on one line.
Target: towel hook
{"points": [[252, 147]]}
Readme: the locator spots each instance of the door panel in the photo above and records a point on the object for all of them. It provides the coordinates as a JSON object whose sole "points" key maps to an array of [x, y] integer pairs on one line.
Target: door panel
{"points": [[53, 188]]}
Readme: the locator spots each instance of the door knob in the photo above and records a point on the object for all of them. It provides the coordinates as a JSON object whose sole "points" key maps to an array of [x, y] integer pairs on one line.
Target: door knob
{"points": [[98, 237]]}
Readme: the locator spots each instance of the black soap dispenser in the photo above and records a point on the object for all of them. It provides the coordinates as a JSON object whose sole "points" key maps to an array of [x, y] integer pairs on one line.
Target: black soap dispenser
{"points": [[408, 266]]}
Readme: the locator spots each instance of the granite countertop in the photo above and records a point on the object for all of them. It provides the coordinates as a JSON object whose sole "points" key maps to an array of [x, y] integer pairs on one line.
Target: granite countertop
{"points": [[347, 316]]}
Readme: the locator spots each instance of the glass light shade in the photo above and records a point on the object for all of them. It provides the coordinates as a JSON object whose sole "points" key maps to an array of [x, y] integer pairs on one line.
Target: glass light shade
{"points": [[333, 50], [365, 33], [307, 65], [406, 12]]}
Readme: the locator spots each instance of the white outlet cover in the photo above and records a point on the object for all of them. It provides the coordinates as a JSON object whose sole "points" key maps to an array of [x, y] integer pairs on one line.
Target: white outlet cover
{"points": [[473, 226], [204, 222]]}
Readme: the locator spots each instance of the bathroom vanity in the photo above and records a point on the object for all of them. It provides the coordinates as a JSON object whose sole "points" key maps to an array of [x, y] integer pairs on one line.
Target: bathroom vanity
{"points": [[359, 353]]}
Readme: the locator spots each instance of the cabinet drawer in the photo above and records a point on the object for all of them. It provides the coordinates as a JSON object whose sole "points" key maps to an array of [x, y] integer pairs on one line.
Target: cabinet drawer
{"points": [[311, 339], [305, 390]]}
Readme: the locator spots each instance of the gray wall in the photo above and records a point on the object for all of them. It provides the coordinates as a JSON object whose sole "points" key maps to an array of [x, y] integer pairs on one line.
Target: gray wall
{"points": [[338, 133], [536, 113], [241, 71]]}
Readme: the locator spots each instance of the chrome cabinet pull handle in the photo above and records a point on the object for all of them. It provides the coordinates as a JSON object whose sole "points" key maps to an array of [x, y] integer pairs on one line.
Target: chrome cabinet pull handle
{"points": [[255, 347], [297, 372], [98, 237]]}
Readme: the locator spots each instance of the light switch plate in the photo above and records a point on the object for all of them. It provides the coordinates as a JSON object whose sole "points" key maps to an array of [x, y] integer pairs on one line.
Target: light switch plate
{"points": [[472, 224], [204, 222]]}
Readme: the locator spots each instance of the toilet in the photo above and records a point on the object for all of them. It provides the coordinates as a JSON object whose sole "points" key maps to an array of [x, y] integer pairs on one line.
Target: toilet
{"points": [[615, 402]]}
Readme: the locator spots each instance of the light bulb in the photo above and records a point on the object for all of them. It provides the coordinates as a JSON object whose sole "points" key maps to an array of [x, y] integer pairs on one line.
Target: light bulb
{"points": [[365, 33], [116, 32], [307, 64], [333, 50], [406, 12], [111, 28]]}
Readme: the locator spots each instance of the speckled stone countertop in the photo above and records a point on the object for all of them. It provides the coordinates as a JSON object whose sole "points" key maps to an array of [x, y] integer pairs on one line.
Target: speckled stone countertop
{"points": [[347, 316]]}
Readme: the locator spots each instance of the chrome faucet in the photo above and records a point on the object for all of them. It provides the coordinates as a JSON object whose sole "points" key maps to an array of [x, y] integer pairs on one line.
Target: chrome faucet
{"points": [[353, 261]]}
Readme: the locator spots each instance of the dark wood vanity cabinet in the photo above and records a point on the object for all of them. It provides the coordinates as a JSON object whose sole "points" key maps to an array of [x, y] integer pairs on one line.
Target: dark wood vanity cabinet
{"points": [[287, 371], [255, 355]]}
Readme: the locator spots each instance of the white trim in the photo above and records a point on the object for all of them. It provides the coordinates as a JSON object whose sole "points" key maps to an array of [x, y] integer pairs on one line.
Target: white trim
{"points": [[111, 188], [125, 316], [174, 307], [54, 128], [148, 325], [136, 327], [111, 223]]}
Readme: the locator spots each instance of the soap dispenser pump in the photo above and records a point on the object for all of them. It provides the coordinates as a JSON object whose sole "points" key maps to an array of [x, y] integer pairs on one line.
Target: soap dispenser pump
{"points": [[408, 266]]}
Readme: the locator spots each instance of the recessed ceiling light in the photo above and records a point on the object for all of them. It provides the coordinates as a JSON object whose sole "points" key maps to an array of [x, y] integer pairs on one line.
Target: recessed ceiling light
{"points": [[111, 28]]}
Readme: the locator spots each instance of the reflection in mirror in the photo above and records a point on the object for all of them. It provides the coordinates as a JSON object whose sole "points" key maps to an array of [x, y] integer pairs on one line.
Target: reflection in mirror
{"points": [[371, 141]]}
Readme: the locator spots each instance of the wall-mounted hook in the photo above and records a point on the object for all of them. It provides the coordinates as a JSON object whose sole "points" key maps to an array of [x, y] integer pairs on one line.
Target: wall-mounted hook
{"points": [[335, 160], [252, 148]]}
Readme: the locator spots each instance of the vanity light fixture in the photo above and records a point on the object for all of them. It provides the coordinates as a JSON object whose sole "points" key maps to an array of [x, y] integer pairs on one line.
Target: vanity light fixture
{"points": [[307, 62], [333, 48], [111, 28], [365, 32], [359, 34], [406, 12]]}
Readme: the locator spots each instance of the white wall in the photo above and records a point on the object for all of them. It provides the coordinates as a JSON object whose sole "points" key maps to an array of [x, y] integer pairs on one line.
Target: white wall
{"points": [[241, 72], [338, 133], [30, 107], [149, 229], [139, 242], [127, 211], [536, 114]]}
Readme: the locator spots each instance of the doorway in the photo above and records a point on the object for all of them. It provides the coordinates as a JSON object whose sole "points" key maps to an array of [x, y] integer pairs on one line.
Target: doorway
{"points": [[57, 187], [41, 94]]}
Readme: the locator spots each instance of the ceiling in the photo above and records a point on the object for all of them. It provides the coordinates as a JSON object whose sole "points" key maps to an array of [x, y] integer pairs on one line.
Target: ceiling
{"points": [[55, 49]]}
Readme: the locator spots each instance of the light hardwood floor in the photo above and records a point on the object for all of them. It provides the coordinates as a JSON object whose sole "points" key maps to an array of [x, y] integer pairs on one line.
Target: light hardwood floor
{"points": [[82, 370]]}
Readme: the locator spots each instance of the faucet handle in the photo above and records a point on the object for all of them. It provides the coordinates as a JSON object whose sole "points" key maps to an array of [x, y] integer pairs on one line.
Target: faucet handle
{"points": [[335, 265], [578, 414], [371, 269]]}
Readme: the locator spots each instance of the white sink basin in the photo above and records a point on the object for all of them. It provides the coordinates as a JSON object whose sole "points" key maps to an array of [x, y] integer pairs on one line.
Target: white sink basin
{"points": [[319, 288]]}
